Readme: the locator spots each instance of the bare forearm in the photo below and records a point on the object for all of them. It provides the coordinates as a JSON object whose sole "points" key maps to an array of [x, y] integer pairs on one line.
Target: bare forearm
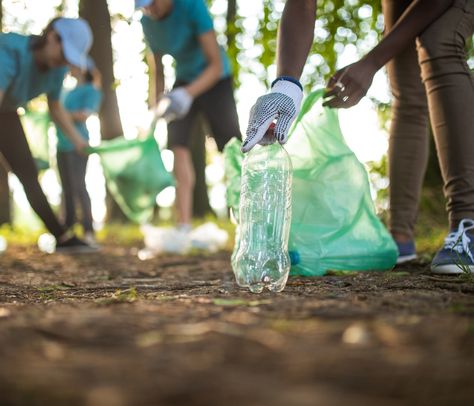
{"points": [[206, 80], [213, 72], [295, 36], [62, 119], [414, 21], [80, 115]]}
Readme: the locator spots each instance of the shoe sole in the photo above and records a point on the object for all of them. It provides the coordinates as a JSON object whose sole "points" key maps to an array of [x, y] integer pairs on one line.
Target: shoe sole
{"points": [[449, 269], [406, 258]]}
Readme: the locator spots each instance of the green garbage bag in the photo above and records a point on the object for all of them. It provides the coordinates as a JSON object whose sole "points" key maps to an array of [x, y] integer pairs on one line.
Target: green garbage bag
{"points": [[134, 174], [36, 125], [334, 225]]}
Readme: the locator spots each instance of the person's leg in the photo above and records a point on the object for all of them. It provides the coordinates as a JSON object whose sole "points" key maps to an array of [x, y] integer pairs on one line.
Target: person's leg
{"points": [[219, 108], [66, 175], [409, 136], [450, 89], [184, 174], [80, 190], [179, 132], [14, 148]]}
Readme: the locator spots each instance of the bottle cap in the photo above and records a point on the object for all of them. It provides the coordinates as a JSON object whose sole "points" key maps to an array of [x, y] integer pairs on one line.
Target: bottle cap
{"points": [[294, 257]]}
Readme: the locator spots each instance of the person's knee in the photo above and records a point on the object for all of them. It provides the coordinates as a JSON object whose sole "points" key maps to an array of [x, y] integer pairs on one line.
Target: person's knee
{"points": [[410, 110]]}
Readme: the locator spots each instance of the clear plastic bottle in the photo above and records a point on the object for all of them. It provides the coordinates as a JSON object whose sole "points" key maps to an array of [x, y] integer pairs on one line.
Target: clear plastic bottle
{"points": [[261, 259]]}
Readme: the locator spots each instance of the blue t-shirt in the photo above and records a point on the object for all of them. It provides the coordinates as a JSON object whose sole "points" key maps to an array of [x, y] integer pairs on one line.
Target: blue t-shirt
{"points": [[20, 77], [84, 97], [178, 35]]}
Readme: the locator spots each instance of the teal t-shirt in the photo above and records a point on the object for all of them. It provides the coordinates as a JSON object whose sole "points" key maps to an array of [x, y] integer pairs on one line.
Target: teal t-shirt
{"points": [[20, 77], [178, 35], [84, 97]]}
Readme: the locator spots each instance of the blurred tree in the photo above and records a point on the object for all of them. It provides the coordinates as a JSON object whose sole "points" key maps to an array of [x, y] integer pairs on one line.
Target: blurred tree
{"points": [[96, 12], [5, 201], [201, 205]]}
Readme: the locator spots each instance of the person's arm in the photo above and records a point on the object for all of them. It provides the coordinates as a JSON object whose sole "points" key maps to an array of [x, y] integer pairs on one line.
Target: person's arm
{"points": [[80, 115], [2, 93], [64, 121], [295, 36], [282, 104], [209, 76], [350, 84], [180, 99]]}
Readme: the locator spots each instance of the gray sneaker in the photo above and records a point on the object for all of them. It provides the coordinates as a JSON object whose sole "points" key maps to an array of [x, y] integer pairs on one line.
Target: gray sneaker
{"points": [[456, 256]]}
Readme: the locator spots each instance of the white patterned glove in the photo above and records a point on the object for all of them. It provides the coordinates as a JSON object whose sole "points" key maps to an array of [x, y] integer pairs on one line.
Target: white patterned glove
{"points": [[282, 104], [174, 105]]}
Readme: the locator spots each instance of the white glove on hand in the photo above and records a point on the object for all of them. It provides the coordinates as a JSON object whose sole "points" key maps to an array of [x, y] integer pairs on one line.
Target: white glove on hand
{"points": [[174, 105], [282, 104]]}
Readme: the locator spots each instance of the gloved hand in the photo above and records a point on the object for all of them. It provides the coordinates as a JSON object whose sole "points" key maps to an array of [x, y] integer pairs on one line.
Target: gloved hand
{"points": [[282, 104], [174, 105]]}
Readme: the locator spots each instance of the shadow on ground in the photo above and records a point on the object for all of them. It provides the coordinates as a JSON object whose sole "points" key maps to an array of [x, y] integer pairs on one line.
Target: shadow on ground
{"points": [[108, 329]]}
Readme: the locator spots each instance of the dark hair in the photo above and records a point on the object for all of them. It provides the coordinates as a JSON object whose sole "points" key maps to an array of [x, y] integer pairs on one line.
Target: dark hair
{"points": [[39, 41]]}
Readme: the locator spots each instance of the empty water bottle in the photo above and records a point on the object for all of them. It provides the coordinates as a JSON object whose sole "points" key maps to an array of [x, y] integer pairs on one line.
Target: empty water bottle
{"points": [[261, 258]]}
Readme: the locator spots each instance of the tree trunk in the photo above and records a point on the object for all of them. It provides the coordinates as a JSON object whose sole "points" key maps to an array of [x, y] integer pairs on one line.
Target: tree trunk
{"points": [[231, 33], [5, 201], [96, 12], [201, 206]]}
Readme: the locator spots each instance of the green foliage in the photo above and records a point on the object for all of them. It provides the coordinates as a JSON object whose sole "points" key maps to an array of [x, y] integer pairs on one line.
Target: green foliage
{"points": [[251, 42]]}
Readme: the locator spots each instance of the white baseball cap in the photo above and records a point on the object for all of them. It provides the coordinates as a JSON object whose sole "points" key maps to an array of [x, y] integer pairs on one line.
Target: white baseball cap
{"points": [[142, 3], [76, 38]]}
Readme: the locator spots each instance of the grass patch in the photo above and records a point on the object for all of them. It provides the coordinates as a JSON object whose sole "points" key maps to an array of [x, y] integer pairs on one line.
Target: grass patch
{"points": [[120, 296]]}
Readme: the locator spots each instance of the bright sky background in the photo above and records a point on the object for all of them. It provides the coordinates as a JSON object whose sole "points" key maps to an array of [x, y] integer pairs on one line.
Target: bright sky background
{"points": [[360, 124]]}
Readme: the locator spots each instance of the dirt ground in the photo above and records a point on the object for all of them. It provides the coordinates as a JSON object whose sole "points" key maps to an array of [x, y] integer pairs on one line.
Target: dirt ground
{"points": [[109, 329]]}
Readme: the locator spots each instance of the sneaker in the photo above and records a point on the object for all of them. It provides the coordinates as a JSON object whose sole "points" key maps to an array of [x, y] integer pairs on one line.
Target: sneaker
{"points": [[74, 245], [406, 251], [456, 255]]}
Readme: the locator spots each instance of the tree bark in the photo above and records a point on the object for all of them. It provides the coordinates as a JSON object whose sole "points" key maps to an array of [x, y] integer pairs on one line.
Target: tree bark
{"points": [[96, 12], [5, 200], [201, 205]]}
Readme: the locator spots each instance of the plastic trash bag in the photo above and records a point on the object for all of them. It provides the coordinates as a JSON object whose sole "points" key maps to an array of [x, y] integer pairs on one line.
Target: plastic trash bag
{"points": [[208, 237], [36, 125], [135, 174], [334, 225], [159, 240]]}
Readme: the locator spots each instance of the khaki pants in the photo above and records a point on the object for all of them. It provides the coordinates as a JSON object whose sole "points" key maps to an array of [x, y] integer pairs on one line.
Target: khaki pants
{"points": [[431, 83]]}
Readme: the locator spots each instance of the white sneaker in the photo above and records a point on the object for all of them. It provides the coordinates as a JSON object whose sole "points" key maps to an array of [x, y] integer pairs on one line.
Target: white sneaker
{"points": [[90, 239]]}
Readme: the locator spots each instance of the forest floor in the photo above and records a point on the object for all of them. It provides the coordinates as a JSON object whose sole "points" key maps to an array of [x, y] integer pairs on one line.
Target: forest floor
{"points": [[109, 329]]}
